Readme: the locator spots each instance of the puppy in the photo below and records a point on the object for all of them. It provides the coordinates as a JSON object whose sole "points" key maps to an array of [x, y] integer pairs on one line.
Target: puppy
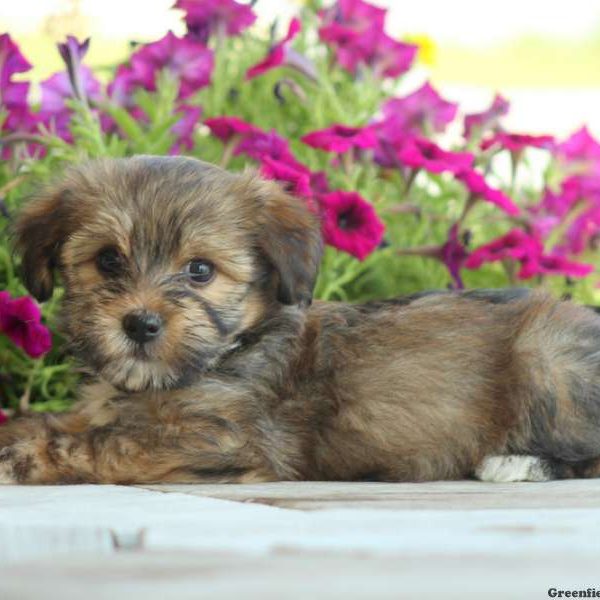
{"points": [[188, 297]]}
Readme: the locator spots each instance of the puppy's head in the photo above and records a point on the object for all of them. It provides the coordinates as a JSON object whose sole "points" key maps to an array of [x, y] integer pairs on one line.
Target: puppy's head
{"points": [[165, 261]]}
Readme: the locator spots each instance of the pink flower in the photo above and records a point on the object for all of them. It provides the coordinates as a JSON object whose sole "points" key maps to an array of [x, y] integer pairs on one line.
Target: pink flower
{"points": [[515, 245], [340, 138], [350, 223], [548, 264], [298, 180], [478, 123], [189, 61], [355, 14], [420, 153], [185, 127], [516, 142], [13, 94], [375, 49], [221, 17], [282, 54], [3, 417], [420, 112], [261, 144], [454, 254], [580, 148], [225, 127], [477, 185], [20, 320], [58, 88]]}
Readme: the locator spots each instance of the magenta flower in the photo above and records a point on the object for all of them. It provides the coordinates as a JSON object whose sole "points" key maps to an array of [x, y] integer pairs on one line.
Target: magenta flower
{"points": [[340, 138], [281, 54], [515, 245], [298, 181], [375, 49], [185, 127], [261, 144], [478, 123], [13, 94], [420, 153], [516, 142], [477, 185], [72, 52], [221, 17], [58, 88], [551, 264], [3, 417], [350, 223], [356, 15], [20, 320], [581, 148], [189, 61], [454, 254], [226, 128], [418, 113]]}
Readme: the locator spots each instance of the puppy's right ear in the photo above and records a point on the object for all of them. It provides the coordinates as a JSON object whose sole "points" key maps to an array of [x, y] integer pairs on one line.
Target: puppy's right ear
{"points": [[39, 232]]}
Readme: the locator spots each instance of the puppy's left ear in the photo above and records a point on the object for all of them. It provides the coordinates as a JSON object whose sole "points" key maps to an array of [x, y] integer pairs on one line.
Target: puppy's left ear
{"points": [[291, 240], [39, 232]]}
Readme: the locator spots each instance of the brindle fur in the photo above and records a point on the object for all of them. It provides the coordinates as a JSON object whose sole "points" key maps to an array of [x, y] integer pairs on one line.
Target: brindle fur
{"points": [[249, 382]]}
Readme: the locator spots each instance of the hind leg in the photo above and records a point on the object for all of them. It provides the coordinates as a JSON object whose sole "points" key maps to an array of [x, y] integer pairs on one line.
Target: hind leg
{"points": [[514, 467]]}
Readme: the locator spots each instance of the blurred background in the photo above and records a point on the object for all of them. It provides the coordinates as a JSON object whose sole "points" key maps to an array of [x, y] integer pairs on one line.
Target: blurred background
{"points": [[543, 55]]}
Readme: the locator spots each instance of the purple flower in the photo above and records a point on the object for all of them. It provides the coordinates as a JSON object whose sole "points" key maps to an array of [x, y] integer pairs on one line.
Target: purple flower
{"points": [[281, 54], [72, 52], [350, 223], [20, 320], [357, 15], [261, 144], [58, 88], [421, 153], [477, 185], [581, 148], [340, 138], [454, 254], [516, 142], [423, 111], [221, 17], [297, 180], [478, 123], [189, 61], [225, 127], [185, 127], [551, 264], [13, 94]]}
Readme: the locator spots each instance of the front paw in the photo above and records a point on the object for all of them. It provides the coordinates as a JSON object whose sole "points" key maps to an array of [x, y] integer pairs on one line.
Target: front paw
{"points": [[16, 464]]}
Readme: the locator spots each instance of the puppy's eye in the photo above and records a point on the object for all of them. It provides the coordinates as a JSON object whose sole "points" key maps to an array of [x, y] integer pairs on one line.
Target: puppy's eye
{"points": [[109, 261], [200, 270]]}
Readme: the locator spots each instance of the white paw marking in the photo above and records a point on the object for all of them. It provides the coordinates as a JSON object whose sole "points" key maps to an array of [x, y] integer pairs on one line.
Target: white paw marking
{"points": [[503, 469]]}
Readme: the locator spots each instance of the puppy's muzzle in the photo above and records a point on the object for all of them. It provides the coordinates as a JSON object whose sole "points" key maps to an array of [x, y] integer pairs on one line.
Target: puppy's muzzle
{"points": [[142, 326]]}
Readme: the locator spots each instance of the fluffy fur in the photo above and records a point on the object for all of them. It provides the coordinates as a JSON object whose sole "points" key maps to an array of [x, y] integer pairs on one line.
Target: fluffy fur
{"points": [[248, 381]]}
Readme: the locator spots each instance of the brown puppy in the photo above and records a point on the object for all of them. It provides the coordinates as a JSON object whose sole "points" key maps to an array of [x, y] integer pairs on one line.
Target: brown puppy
{"points": [[187, 294]]}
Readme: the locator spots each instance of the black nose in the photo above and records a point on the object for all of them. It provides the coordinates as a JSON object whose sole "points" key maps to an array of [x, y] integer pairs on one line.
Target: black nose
{"points": [[142, 326]]}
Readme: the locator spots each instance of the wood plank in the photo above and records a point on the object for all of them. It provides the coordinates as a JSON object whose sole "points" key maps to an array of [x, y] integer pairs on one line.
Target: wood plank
{"points": [[443, 495]]}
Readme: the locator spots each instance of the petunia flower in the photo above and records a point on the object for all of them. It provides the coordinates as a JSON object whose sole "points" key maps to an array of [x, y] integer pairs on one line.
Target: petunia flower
{"points": [[20, 320], [580, 148], [58, 88], [516, 142], [281, 54], [204, 18], [340, 138], [515, 245], [418, 113], [478, 123], [185, 127], [350, 223], [356, 15], [479, 188], [550, 264], [261, 144], [226, 127], [187, 60], [13, 94], [454, 254], [421, 153], [72, 52], [298, 181]]}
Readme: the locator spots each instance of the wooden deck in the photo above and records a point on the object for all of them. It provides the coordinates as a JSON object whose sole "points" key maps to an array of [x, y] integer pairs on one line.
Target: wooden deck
{"points": [[299, 540]]}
